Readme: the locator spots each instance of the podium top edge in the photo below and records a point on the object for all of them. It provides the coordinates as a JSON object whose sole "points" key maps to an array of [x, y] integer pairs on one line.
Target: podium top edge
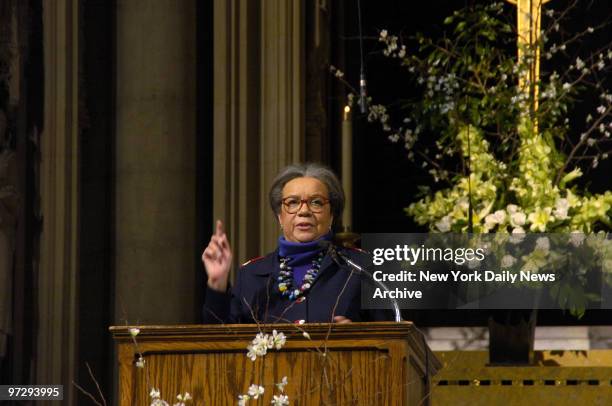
{"points": [[390, 327]]}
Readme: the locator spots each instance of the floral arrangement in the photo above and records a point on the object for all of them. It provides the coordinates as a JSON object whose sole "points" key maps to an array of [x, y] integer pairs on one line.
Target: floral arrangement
{"points": [[497, 139], [500, 164]]}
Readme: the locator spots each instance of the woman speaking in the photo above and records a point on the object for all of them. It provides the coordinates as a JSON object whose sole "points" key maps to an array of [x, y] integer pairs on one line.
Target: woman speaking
{"points": [[301, 281]]}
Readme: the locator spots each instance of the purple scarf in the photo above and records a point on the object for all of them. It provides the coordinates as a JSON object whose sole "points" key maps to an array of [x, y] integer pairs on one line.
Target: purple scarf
{"points": [[302, 254]]}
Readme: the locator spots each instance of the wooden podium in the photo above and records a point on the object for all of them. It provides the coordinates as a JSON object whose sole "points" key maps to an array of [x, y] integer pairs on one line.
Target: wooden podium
{"points": [[382, 363]]}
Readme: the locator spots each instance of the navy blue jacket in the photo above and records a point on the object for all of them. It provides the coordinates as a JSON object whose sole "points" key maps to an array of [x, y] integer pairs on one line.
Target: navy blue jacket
{"points": [[256, 295]]}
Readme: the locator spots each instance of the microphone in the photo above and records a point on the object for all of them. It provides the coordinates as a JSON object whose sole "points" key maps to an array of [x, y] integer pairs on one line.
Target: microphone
{"points": [[338, 256]]}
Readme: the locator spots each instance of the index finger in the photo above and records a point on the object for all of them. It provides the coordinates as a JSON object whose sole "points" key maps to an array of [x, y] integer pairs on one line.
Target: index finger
{"points": [[219, 230]]}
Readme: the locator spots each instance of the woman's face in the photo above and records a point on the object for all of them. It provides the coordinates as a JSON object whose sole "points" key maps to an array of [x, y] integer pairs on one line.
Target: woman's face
{"points": [[307, 223]]}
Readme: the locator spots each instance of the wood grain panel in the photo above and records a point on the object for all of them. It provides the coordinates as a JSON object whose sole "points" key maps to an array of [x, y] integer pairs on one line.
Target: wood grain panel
{"points": [[371, 364]]}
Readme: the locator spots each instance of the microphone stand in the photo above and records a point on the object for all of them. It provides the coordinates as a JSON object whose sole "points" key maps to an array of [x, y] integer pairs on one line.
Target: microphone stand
{"points": [[335, 254]]}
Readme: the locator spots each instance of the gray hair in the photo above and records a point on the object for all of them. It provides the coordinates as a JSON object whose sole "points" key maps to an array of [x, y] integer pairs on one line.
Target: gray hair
{"points": [[312, 170]]}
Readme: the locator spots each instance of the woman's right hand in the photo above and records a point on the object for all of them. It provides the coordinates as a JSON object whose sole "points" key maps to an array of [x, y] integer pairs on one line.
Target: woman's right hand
{"points": [[217, 259]]}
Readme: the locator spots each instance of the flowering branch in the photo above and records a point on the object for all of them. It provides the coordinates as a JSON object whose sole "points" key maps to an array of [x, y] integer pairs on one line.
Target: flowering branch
{"points": [[523, 153]]}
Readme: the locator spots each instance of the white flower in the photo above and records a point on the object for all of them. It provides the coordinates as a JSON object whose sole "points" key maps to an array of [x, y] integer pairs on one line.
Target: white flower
{"points": [[155, 394], [512, 208], [305, 334], [601, 109], [561, 209], [576, 238], [566, 86], [495, 218], [255, 391], [518, 219], [444, 225], [550, 12], [258, 347], [507, 261], [339, 73], [243, 399], [159, 402], [281, 385], [543, 243], [383, 35], [278, 340], [579, 63], [500, 216], [490, 221], [589, 118], [251, 354], [590, 29], [183, 398], [591, 142], [134, 331], [140, 363], [280, 400], [463, 204], [518, 234]]}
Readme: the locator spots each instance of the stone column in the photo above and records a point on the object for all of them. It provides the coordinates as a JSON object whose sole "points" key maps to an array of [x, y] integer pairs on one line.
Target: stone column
{"points": [[258, 116], [282, 98], [236, 174], [59, 189], [155, 161]]}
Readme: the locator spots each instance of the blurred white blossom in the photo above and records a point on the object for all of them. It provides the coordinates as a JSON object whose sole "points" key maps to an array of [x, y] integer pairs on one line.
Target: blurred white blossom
{"points": [[507, 261], [280, 400], [255, 391]]}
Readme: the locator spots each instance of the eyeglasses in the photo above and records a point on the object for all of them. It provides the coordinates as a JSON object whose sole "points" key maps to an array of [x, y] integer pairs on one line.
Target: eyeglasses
{"points": [[315, 204]]}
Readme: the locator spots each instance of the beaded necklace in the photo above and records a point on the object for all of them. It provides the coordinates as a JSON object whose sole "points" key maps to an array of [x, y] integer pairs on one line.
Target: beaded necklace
{"points": [[285, 279]]}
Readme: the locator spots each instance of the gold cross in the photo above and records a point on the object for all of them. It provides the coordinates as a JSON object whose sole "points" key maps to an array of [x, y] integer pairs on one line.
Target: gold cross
{"points": [[528, 22]]}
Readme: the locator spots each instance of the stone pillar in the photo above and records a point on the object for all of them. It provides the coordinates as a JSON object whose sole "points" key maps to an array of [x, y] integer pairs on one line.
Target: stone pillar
{"points": [[258, 116], [57, 272], [236, 174], [155, 161], [282, 99]]}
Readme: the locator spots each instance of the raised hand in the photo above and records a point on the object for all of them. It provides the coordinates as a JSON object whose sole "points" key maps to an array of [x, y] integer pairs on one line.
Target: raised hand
{"points": [[217, 259]]}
